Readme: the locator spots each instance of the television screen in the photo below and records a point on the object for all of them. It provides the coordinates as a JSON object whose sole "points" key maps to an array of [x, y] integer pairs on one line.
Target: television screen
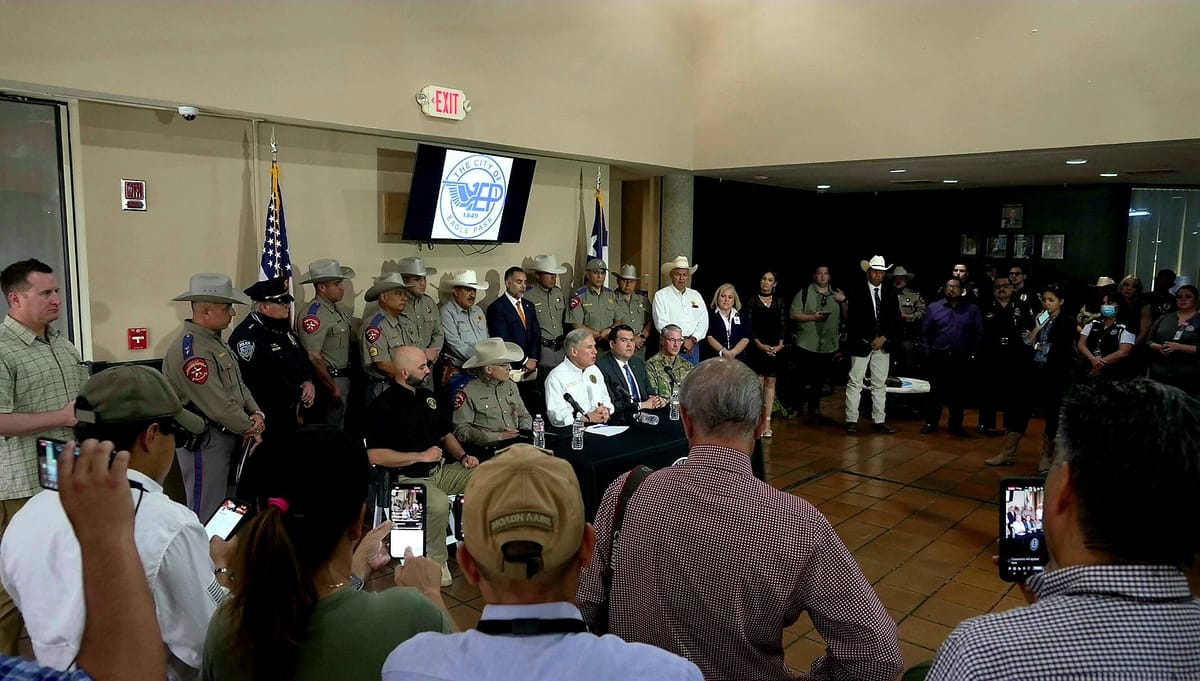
{"points": [[468, 196]]}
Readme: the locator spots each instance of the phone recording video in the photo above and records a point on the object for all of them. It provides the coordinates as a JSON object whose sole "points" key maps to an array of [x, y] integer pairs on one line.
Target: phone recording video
{"points": [[226, 520], [407, 513], [1023, 549], [48, 452]]}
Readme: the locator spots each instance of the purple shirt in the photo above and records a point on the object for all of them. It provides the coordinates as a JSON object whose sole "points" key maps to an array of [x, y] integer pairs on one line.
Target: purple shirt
{"points": [[957, 328]]}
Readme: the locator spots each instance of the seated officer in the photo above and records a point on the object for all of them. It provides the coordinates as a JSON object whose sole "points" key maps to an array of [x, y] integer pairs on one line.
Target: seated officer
{"points": [[407, 433], [489, 409]]}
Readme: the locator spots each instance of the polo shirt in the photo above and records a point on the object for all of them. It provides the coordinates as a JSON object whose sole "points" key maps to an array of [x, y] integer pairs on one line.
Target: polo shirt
{"points": [[406, 421]]}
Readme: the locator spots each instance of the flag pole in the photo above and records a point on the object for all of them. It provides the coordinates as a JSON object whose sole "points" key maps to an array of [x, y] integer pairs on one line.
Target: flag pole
{"points": [[275, 147]]}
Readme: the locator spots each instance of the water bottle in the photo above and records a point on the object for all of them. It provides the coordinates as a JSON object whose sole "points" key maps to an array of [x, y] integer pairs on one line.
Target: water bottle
{"points": [[644, 418], [539, 432], [674, 404], [577, 433]]}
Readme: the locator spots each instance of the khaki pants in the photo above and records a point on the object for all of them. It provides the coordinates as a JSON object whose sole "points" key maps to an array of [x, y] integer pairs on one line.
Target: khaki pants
{"points": [[447, 480], [10, 618], [206, 470]]}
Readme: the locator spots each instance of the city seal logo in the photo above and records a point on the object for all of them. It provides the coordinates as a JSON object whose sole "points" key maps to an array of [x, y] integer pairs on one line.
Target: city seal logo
{"points": [[472, 196]]}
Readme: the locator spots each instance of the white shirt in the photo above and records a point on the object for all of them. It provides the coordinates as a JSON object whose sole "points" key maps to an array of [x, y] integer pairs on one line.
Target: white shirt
{"points": [[40, 567], [684, 309], [585, 385]]}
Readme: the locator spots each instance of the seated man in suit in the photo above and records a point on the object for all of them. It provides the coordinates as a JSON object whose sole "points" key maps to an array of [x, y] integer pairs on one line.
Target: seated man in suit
{"points": [[625, 376]]}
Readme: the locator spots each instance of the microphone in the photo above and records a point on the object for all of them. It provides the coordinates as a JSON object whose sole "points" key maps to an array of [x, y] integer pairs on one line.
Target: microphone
{"points": [[575, 405]]}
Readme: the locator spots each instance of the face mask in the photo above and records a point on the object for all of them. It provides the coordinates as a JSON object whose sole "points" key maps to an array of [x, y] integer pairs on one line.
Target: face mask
{"points": [[1108, 310]]}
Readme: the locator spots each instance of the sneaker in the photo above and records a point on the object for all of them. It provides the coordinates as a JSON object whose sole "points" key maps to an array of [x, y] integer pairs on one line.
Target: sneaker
{"points": [[447, 578], [851, 427], [883, 428]]}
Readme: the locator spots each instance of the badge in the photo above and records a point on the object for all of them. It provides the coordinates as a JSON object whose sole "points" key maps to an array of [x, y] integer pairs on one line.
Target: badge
{"points": [[196, 370], [374, 351], [373, 334], [593, 379], [311, 324], [245, 349], [460, 398], [575, 302], [694, 305], [479, 318], [431, 402]]}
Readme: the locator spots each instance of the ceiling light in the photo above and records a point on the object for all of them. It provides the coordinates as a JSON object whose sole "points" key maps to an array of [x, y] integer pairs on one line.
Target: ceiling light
{"points": [[1138, 212], [760, 177], [949, 181], [1109, 174], [823, 186], [898, 170], [1076, 161]]}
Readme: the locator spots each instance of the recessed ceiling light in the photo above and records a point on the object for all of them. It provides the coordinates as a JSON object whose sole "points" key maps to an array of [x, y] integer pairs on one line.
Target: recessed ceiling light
{"points": [[760, 177], [1109, 174], [1076, 161], [949, 181], [898, 170], [823, 186]]}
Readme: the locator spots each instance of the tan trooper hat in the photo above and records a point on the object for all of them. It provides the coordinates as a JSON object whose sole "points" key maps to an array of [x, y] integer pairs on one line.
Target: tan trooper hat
{"points": [[627, 272], [327, 269], [491, 351], [388, 282], [415, 267], [547, 263], [211, 288]]}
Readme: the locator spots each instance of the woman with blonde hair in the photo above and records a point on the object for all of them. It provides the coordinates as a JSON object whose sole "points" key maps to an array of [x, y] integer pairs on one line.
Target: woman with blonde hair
{"points": [[728, 335]]}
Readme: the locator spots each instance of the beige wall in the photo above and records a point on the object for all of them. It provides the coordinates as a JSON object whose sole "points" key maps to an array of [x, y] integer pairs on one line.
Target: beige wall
{"points": [[206, 213]]}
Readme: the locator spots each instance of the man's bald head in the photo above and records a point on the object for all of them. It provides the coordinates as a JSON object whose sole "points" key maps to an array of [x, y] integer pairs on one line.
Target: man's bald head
{"points": [[411, 365]]}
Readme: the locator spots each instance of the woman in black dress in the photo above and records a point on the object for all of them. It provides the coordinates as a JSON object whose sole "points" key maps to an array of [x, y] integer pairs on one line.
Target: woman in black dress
{"points": [[768, 321]]}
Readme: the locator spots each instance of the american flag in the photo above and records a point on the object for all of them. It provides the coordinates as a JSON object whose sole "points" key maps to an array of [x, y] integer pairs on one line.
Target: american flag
{"points": [[276, 262]]}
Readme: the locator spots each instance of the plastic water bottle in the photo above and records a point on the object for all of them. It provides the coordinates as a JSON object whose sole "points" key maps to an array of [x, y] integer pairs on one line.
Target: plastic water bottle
{"points": [[539, 432], [644, 418], [577, 432], [674, 404]]}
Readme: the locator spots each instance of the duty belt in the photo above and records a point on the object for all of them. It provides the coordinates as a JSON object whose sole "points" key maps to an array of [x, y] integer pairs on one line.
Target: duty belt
{"points": [[339, 373], [552, 343]]}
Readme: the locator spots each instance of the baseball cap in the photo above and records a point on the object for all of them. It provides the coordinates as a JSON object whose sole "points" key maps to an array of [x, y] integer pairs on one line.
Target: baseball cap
{"points": [[523, 494], [132, 394]]}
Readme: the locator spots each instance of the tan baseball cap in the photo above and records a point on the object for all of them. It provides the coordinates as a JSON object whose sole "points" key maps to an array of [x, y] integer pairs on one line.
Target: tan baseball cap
{"points": [[523, 494], [132, 393]]}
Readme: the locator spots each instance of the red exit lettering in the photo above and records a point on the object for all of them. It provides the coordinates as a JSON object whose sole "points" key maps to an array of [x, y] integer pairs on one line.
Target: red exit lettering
{"points": [[445, 102]]}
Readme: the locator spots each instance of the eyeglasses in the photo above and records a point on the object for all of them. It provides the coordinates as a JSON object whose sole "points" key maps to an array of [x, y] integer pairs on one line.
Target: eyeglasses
{"points": [[672, 340]]}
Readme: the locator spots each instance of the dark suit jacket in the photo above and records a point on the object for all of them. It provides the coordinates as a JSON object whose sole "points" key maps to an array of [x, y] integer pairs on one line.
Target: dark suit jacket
{"points": [[502, 321], [618, 387], [861, 327]]}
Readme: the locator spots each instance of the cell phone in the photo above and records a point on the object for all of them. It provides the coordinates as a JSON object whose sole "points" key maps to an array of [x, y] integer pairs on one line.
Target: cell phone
{"points": [[48, 452], [407, 513], [227, 519], [1023, 551], [1041, 319]]}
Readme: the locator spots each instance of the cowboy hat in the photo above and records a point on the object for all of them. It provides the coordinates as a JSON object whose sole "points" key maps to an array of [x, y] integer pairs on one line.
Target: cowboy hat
{"points": [[327, 269], [596, 264], [465, 278], [415, 267], [627, 272], [901, 272], [211, 288], [388, 282], [1102, 282], [491, 351], [876, 263], [547, 263], [679, 263]]}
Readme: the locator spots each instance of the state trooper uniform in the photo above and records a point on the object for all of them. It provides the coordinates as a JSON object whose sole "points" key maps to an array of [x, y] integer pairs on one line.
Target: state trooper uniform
{"points": [[551, 304], [422, 308], [205, 374], [382, 333], [912, 308], [274, 363], [485, 408], [594, 309], [325, 329], [636, 311]]}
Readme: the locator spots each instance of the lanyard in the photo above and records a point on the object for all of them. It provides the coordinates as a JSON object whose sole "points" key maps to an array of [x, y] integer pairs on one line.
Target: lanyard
{"points": [[532, 627]]}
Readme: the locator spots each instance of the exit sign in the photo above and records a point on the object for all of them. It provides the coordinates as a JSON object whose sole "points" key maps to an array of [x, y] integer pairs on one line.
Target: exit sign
{"points": [[443, 102]]}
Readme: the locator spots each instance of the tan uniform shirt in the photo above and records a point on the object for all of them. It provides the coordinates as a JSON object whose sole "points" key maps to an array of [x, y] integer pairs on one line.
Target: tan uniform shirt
{"points": [[596, 310], [423, 313], [635, 312], [202, 371], [380, 335], [325, 329], [485, 408], [550, 304], [911, 304]]}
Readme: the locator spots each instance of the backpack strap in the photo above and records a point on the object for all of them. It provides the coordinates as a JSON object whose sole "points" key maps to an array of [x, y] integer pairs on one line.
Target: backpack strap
{"points": [[632, 481]]}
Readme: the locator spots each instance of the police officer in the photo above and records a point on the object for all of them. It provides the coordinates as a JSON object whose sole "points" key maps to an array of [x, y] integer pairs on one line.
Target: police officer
{"points": [[489, 409], [1022, 293], [594, 305], [633, 308], [325, 331], [550, 302], [1007, 359], [912, 313], [422, 308], [203, 371], [386, 330], [273, 361]]}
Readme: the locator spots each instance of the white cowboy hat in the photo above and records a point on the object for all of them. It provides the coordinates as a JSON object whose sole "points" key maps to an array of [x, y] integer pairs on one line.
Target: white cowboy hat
{"points": [[211, 288], [491, 351], [679, 263], [327, 269], [415, 267], [627, 272], [547, 263], [465, 278], [1102, 282], [388, 282], [901, 272], [876, 263]]}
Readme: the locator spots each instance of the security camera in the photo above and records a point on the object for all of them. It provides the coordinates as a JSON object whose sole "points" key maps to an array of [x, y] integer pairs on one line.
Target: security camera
{"points": [[189, 113]]}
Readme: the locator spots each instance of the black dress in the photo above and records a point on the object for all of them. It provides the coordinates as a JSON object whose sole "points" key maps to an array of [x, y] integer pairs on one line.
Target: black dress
{"points": [[767, 325]]}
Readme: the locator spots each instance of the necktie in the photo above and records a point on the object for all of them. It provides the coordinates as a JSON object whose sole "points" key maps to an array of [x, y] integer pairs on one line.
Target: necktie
{"points": [[633, 391], [878, 303], [521, 314]]}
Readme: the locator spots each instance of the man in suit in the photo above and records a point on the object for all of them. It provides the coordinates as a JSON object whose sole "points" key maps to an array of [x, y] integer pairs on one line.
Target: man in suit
{"points": [[872, 324], [625, 376], [514, 319]]}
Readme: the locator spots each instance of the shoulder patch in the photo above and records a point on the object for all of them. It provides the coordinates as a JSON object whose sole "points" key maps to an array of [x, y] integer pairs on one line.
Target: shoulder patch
{"points": [[431, 402], [245, 349], [312, 309], [372, 333], [376, 319], [460, 398], [188, 341], [196, 370], [311, 323], [575, 302]]}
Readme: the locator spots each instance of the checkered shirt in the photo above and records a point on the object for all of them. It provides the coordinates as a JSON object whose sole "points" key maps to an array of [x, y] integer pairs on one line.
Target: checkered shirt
{"points": [[36, 375], [1094, 622], [713, 564], [17, 669]]}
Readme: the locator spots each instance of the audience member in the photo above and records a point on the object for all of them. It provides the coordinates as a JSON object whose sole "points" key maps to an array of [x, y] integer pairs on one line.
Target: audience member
{"points": [[462, 320], [594, 305], [550, 302], [422, 308], [1053, 339], [1162, 299], [1105, 344], [204, 374], [1114, 602], [1023, 294], [625, 377], [409, 435], [912, 314], [1090, 310], [1006, 361], [526, 542], [952, 332], [727, 336], [1174, 341], [489, 409], [713, 564], [1134, 311], [667, 369], [514, 319], [325, 332], [767, 318], [297, 609], [385, 331], [579, 377], [40, 375], [872, 327], [682, 306], [970, 292], [134, 408], [818, 339], [633, 307]]}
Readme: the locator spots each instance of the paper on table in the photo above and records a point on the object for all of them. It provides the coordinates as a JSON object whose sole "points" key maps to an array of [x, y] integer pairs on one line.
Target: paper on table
{"points": [[606, 431]]}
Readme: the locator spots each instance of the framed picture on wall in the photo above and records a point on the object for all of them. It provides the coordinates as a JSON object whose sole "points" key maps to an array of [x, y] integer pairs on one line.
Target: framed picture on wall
{"points": [[1012, 217], [997, 246], [1054, 246], [1022, 246], [968, 245]]}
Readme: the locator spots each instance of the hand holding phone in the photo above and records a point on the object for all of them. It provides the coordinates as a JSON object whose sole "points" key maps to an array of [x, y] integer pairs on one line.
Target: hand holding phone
{"points": [[227, 519], [1022, 539], [407, 513], [1043, 318], [48, 451]]}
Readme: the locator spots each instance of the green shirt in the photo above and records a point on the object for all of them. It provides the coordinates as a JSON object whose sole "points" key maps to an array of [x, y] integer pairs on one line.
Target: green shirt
{"points": [[660, 382], [819, 337], [350, 634]]}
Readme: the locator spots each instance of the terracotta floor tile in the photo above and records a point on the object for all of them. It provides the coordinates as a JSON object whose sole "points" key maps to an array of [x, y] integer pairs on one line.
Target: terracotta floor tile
{"points": [[855, 499], [800, 654], [816, 489], [876, 516], [893, 505], [878, 489], [915, 577], [905, 541], [1009, 603], [970, 596], [914, 654], [882, 553], [899, 599], [801, 626], [945, 612], [855, 533], [924, 633], [840, 508], [989, 580], [924, 524], [947, 553], [874, 570], [465, 617], [967, 537]]}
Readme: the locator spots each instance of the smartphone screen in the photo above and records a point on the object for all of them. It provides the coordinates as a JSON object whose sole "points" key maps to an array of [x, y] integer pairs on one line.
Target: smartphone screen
{"points": [[1043, 317], [226, 519], [407, 513], [48, 453], [1022, 539]]}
